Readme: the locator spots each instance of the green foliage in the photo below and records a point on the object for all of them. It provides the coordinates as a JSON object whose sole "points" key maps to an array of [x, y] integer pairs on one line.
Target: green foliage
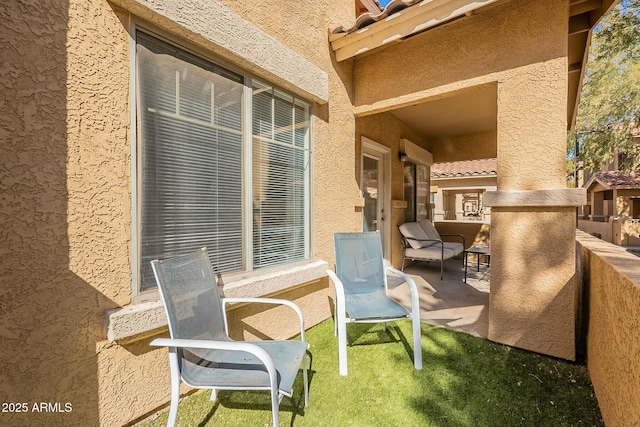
{"points": [[609, 110], [466, 381]]}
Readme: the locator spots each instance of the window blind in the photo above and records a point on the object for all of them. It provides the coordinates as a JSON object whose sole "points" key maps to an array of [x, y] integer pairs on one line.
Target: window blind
{"points": [[190, 134], [280, 130]]}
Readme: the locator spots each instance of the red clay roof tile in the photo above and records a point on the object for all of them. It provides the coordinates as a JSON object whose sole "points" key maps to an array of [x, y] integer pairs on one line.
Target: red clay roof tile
{"points": [[480, 167], [612, 179]]}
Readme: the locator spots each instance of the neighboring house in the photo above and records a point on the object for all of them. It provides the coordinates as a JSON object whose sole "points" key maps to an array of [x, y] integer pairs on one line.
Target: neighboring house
{"points": [[613, 209], [136, 129], [458, 189]]}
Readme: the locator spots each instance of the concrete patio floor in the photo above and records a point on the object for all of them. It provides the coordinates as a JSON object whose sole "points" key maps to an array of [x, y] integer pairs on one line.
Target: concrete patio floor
{"points": [[454, 305]]}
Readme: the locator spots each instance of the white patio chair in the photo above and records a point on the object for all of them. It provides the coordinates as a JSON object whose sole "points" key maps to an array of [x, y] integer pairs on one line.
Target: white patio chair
{"points": [[200, 351], [361, 288]]}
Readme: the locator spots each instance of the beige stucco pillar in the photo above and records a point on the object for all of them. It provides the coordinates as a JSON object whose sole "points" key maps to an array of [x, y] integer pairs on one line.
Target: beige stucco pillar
{"points": [[533, 290]]}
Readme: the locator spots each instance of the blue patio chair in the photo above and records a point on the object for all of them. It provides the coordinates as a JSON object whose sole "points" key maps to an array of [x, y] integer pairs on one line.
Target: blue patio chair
{"points": [[361, 286], [200, 351]]}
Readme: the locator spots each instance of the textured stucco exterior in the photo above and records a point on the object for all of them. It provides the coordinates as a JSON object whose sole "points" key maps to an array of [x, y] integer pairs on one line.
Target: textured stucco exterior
{"points": [[65, 205], [232, 37], [474, 232], [529, 70], [611, 303], [66, 173], [476, 145], [532, 306], [67, 191]]}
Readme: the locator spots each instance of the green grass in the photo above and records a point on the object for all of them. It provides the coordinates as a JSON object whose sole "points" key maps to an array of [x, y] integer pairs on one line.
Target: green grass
{"points": [[465, 381]]}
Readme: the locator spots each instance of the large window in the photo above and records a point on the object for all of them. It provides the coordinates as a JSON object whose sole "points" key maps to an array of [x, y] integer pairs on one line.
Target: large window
{"points": [[223, 162], [416, 192]]}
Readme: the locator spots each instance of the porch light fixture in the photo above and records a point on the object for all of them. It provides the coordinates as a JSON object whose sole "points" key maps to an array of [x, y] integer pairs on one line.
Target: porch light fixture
{"points": [[402, 156]]}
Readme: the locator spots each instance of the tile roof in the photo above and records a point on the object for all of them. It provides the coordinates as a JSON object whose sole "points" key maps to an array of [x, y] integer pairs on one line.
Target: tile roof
{"points": [[466, 168], [369, 18], [615, 179]]}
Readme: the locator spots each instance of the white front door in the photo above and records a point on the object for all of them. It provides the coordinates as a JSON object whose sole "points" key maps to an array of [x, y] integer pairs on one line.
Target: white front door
{"points": [[375, 187]]}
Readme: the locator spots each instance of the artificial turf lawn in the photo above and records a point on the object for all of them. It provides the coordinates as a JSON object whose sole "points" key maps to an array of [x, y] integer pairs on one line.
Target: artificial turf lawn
{"points": [[465, 381]]}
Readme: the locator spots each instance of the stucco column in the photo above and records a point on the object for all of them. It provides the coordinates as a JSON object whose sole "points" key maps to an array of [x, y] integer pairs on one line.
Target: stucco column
{"points": [[439, 206], [533, 292]]}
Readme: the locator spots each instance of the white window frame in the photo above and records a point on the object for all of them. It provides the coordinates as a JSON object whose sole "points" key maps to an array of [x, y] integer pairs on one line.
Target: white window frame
{"points": [[139, 295]]}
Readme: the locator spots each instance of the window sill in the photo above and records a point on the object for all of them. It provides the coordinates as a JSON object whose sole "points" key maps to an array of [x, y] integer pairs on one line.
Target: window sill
{"points": [[137, 321]]}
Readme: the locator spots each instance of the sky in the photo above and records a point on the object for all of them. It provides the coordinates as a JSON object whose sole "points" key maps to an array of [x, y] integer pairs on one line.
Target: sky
{"points": [[383, 3]]}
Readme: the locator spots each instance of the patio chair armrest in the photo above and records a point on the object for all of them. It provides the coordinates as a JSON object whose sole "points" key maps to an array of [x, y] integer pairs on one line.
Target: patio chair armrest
{"points": [[435, 241], [246, 347], [205, 344], [339, 291], [275, 301], [464, 242], [413, 289]]}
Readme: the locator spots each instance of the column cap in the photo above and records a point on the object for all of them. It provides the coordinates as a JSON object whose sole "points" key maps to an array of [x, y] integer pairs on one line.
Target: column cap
{"points": [[553, 197]]}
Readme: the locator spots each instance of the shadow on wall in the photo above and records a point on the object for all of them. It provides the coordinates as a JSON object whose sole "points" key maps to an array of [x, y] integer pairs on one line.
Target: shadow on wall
{"points": [[533, 262], [50, 319]]}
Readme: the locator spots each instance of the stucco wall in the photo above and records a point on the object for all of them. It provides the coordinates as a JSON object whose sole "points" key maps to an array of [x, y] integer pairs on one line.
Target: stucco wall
{"points": [[496, 45], [474, 232], [621, 230], [532, 300], [611, 309], [66, 201], [65, 204], [603, 229], [476, 145]]}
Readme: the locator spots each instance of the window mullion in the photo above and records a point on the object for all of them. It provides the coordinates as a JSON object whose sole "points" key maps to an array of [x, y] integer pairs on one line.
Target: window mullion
{"points": [[247, 176]]}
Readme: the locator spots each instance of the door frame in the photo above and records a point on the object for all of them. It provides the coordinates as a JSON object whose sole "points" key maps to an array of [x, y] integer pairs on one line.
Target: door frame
{"points": [[383, 153]]}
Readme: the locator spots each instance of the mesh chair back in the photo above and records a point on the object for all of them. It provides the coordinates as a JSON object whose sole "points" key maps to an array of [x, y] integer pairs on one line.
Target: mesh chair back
{"points": [[190, 295], [359, 262]]}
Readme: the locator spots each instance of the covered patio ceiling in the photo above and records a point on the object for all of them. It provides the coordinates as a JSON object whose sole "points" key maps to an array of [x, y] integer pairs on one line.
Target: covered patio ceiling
{"points": [[465, 112], [469, 111]]}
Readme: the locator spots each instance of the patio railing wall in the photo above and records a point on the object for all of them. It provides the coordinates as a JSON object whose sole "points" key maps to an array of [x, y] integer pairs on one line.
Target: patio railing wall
{"points": [[609, 326], [622, 231]]}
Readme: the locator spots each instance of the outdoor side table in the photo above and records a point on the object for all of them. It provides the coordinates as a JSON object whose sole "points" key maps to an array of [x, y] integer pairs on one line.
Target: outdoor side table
{"points": [[478, 250]]}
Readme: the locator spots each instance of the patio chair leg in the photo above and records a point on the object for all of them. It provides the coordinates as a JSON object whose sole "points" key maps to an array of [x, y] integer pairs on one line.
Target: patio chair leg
{"points": [[415, 322], [417, 342], [275, 404], [342, 344], [175, 387], [305, 380], [441, 269]]}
